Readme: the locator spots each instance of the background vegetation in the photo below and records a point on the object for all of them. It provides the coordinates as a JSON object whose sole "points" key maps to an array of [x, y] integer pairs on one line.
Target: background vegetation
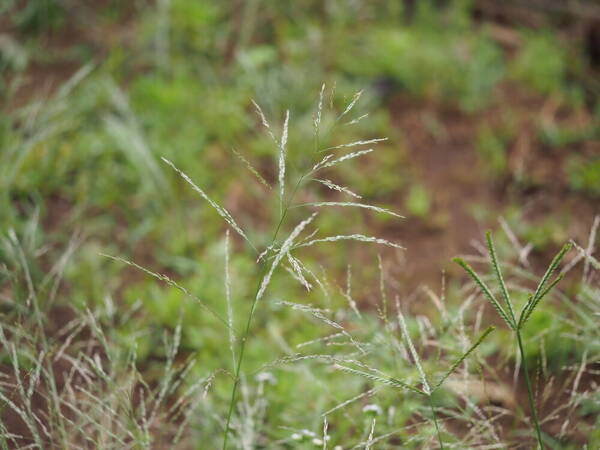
{"points": [[491, 116]]}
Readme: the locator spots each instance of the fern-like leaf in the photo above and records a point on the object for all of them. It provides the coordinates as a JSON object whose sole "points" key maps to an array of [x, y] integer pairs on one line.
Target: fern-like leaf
{"points": [[486, 291], [499, 277]]}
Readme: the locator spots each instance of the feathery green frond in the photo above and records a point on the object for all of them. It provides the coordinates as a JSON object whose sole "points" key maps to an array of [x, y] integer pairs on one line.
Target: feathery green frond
{"points": [[486, 291], [498, 273]]}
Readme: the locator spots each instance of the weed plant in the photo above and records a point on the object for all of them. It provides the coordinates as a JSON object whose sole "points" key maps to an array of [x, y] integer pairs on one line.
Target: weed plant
{"points": [[357, 356], [517, 322], [280, 251]]}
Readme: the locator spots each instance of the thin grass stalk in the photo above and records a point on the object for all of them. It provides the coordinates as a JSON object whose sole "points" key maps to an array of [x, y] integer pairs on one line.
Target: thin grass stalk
{"points": [[435, 422], [534, 415], [244, 338]]}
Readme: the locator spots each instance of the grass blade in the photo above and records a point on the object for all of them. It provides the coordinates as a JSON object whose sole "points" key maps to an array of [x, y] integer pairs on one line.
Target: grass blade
{"points": [[463, 357]]}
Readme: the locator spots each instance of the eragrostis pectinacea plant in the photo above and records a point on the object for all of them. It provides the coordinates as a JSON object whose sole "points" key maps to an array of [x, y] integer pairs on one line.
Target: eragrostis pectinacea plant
{"points": [[283, 250]]}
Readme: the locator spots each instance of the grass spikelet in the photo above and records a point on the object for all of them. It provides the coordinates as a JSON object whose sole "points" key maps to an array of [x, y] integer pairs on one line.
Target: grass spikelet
{"points": [[351, 237], [355, 98], [282, 150], [358, 119], [251, 168], [351, 204], [264, 121], [317, 122], [336, 187], [297, 271], [327, 163], [320, 164], [286, 246], [220, 210], [355, 143]]}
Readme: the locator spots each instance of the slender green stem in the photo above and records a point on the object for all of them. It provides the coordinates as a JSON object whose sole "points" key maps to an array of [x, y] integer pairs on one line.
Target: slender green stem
{"points": [[437, 428], [530, 392], [240, 359]]}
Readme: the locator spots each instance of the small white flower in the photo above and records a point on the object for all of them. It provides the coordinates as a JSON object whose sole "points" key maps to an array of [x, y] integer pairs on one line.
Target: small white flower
{"points": [[319, 441], [266, 377], [304, 436], [372, 409]]}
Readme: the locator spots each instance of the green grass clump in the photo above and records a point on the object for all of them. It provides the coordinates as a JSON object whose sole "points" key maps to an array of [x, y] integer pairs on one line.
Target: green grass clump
{"points": [[584, 175], [433, 63], [541, 63]]}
